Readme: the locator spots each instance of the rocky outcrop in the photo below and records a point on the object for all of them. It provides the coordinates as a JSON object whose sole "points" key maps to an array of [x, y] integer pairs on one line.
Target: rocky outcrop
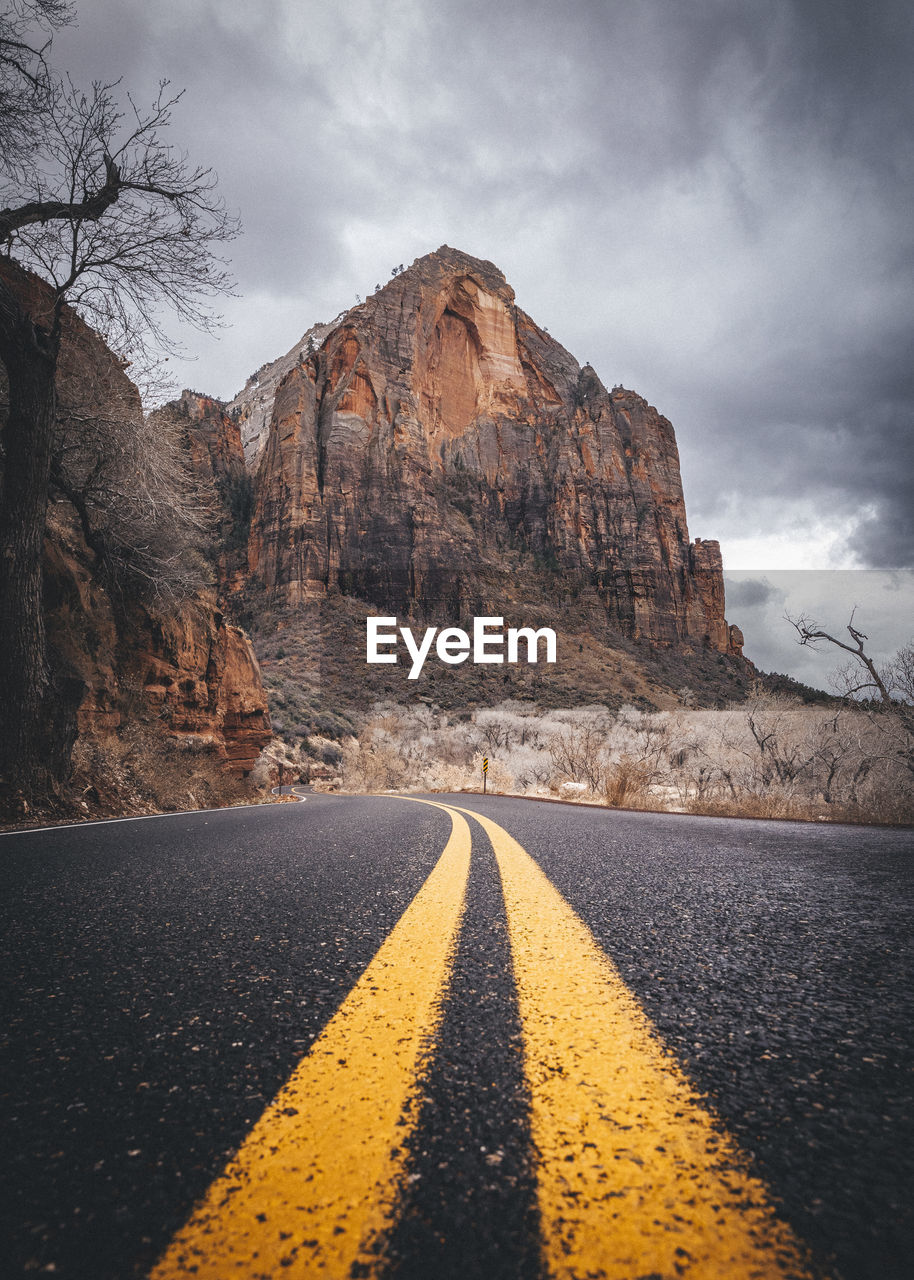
{"points": [[708, 573], [182, 670], [119, 654], [437, 439], [212, 438], [202, 679], [253, 406]]}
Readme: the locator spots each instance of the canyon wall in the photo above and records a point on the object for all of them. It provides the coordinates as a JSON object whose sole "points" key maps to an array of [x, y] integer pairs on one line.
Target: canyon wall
{"points": [[121, 650], [183, 671]]}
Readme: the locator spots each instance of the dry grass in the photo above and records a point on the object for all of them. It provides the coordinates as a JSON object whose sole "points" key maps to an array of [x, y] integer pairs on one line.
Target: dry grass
{"points": [[771, 757], [141, 771]]}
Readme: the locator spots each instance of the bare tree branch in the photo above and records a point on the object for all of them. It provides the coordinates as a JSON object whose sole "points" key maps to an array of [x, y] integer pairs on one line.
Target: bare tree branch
{"points": [[892, 685], [811, 634], [119, 221], [25, 78], [42, 211]]}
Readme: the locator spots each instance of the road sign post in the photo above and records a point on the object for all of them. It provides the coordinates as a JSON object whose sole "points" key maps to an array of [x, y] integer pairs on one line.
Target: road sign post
{"points": [[485, 772]]}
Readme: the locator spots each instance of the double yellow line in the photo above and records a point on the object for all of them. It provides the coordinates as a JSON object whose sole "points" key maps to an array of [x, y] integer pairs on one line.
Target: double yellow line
{"points": [[634, 1176]]}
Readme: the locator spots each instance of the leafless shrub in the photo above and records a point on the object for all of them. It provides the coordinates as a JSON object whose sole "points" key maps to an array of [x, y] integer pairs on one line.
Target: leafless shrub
{"points": [[626, 783], [373, 761], [261, 776], [644, 741], [580, 755], [770, 757]]}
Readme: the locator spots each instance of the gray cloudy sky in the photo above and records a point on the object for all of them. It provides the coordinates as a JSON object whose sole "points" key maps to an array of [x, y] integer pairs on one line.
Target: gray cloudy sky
{"points": [[880, 601], [709, 200]]}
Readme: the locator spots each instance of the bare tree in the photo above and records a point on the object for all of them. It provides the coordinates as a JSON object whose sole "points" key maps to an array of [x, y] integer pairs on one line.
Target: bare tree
{"points": [[899, 675], [783, 756], [146, 517], [888, 688], [860, 676], [579, 754], [119, 225], [25, 80]]}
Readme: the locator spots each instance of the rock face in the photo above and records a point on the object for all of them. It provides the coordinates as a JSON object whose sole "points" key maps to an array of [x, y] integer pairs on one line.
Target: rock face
{"points": [[436, 428], [116, 657], [203, 678], [212, 439], [252, 407], [184, 670]]}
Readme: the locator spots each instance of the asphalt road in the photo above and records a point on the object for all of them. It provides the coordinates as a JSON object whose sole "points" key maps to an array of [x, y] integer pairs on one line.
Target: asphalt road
{"points": [[164, 978]]}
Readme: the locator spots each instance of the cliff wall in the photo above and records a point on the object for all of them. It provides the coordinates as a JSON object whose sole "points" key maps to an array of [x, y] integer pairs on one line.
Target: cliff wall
{"points": [[120, 655], [436, 429], [183, 670]]}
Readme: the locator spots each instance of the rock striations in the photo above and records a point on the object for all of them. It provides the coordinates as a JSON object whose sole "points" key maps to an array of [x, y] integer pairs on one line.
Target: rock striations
{"points": [[434, 435]]}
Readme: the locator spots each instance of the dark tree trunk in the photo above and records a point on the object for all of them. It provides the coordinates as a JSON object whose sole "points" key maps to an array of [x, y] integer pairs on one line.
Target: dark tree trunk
{"points": [[29, 354]]}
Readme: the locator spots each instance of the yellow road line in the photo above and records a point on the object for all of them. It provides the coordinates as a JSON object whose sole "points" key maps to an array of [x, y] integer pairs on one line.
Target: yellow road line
{"points": [[635, 1177], [313, 1188]]}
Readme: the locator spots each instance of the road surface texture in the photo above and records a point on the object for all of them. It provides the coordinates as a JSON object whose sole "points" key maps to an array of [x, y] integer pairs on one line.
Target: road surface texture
{"points": [[360, 1037]]}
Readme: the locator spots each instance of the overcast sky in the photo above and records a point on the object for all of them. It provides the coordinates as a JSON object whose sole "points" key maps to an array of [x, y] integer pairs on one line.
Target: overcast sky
{"points": [[709, 200], [879, 601]]}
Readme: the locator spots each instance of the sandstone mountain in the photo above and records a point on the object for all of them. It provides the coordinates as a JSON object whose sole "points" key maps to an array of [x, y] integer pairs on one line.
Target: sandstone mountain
{"points": [[431, 453], [434, 453], [436, 427]]}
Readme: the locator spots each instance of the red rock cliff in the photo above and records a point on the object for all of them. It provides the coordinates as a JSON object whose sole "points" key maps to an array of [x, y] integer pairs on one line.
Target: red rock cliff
{"points": [[180, 667], [437, 425], [213, 442]]}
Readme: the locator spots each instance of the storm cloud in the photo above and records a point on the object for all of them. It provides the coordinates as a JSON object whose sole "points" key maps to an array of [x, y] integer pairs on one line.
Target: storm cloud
{"points": [[709, 201]]}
